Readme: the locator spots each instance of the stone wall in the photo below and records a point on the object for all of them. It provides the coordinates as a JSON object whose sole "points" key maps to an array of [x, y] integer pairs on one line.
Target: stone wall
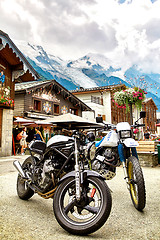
{"points": [[7, 125], [147, 159]]}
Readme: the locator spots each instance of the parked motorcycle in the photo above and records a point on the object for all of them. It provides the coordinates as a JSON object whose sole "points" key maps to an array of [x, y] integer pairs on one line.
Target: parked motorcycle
{"points": [[81, 198], [118, 146]]}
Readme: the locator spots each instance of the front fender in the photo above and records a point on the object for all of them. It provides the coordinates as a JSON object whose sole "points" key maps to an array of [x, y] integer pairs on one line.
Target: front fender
{"points": [[130, 142], [84, 174]]}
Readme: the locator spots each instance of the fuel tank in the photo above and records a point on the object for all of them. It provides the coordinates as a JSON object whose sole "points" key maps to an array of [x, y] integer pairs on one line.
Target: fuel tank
{"points": [[59, 139], [110, 140]]}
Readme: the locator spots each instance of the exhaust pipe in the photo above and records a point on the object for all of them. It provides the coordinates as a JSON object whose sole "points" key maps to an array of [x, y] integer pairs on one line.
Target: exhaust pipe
{"points": [[18, 166]]}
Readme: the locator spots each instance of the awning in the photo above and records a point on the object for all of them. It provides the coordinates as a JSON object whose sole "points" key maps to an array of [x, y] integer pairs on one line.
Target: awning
{"points": [[31, 123], [22, 120], [71, 121]]}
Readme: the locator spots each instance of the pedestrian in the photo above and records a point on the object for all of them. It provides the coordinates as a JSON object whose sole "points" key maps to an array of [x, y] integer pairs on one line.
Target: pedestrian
{"points": [[146, 135], [38, 135], [23, 142]]}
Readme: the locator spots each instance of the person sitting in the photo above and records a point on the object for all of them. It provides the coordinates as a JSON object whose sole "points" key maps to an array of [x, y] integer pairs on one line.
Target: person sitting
{"points": [[38, 135], [146, 135]]}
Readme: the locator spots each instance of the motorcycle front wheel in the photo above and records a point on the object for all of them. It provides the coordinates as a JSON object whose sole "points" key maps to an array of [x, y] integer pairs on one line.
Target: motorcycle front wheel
{"points": [[136, 183], [87, 215]]}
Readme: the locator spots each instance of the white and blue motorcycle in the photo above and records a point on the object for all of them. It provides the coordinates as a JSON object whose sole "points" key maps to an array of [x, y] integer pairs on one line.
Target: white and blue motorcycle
{"points": [[119, 147]]}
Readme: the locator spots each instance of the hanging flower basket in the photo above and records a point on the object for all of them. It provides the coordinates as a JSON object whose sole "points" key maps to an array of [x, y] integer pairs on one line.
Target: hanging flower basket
{"points": [[5, 96], [129, 96], [6, 101]]}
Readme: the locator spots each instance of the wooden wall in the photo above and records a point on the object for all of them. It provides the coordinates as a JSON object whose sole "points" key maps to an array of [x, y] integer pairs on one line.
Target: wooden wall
{"points": [[1, 111], [151, 119], [24, 102], [19, 105]]}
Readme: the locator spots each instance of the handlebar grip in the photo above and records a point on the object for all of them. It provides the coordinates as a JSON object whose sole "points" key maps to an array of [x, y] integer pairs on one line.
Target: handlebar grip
{"points": [[138, 125], [141, 125]]}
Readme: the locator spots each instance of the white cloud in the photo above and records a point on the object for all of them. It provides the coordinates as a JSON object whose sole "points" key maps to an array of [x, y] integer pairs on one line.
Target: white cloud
{"points": [[127, 33]]}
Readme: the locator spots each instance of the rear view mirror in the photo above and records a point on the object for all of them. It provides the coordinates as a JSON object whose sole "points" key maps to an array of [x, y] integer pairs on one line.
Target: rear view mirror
{"points": [[99, 119], [142, 114]]}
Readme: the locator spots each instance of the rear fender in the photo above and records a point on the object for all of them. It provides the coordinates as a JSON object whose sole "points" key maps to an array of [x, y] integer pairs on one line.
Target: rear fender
{"points": [[84, 174]]}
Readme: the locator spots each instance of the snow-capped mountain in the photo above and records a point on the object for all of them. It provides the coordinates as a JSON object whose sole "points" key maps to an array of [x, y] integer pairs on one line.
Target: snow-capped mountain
{"points": [[89, 71]]}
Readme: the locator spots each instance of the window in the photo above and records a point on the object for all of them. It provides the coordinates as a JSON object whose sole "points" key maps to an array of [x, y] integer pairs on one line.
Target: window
{"points": [[73, 111], [56, 108], [103, 117], [37, 105], [95, 99]]}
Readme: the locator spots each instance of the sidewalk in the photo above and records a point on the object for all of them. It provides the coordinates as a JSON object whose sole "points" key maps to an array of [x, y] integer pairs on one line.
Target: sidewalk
{"points": [[34, 219], [12, 158], [6, 163]]}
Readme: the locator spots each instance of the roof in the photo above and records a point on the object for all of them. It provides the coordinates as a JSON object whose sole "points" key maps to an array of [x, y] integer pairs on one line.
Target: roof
{"points": [[149, 99], [96, 89], [31, 85], [7, 46], [27, 87]]}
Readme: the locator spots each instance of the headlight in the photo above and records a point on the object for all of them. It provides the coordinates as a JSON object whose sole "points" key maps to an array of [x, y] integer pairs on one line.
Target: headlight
{"points": [[125, 134], [91, 136], [90, 151]]}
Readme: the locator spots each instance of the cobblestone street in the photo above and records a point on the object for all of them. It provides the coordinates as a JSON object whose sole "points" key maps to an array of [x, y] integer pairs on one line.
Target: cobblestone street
{"points": [[34, 219]]}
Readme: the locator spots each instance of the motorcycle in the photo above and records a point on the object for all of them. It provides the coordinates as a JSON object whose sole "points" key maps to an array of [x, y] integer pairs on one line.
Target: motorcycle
{"points": [[81, 198], [119, 147]]}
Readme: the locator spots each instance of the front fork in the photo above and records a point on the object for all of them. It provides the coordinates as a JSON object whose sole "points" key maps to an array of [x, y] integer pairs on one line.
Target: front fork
{"points": [[77, 172], [123, 161]]}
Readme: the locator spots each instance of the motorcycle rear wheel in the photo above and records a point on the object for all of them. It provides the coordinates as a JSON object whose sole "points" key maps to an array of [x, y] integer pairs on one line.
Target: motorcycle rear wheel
{"points": [[23, 190], [87, 215], [136, 183]]}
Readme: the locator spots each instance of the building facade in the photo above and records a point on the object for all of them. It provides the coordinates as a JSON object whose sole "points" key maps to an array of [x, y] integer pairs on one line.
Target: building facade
{"points": [[43, 99], [100, 100], [14, 67]]}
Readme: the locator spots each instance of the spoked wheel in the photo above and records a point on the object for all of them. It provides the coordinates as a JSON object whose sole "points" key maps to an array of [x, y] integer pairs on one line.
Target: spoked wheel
{"points": [[136, 183], [23, 190], [84, 216]]}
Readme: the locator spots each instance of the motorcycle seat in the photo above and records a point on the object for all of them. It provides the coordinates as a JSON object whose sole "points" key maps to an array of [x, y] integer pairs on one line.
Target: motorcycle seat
{"points": [[38, 147]]}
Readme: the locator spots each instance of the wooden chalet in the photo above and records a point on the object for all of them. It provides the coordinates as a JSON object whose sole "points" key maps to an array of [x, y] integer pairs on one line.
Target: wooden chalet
{"points": [[150, 121], [14, 67], [43, 99]]}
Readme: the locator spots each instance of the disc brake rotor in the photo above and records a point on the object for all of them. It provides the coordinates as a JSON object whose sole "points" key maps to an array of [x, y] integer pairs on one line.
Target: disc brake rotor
{"points": [[88, 215]]}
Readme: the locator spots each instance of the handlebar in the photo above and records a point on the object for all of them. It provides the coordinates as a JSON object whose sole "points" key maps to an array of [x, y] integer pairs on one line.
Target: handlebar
{"points": [[138, 125]]}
